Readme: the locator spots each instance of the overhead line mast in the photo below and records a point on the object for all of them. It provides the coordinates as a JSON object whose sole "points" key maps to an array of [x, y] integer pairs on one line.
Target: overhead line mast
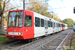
{"points": [[31, 2], [23, 4]]}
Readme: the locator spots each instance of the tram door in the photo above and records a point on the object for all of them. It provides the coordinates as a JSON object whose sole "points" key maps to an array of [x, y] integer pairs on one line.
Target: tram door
{"points": [[46, 27]]}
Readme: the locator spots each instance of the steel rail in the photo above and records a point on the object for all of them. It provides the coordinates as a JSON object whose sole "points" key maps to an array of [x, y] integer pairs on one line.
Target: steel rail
{"points": [[62, 42], [47, 42], [10, 44]]}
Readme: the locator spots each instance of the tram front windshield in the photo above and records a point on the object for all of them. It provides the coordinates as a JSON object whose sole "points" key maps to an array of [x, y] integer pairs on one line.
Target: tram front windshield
{"points": [[15, 19]]}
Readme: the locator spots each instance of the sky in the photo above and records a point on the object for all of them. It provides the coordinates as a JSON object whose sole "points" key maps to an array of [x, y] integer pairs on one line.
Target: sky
{"points": [[64, 8]]}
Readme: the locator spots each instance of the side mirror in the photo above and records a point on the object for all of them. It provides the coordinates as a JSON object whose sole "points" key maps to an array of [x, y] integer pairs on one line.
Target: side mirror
{"points": [[74, 10]]}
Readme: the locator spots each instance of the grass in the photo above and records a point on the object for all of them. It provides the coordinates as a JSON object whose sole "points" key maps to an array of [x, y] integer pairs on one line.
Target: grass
{"points": [[3, 39], [73, 42]]}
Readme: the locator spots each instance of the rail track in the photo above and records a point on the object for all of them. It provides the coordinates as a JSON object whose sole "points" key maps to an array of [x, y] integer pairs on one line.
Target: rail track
{"points": [[8, 43], [38, 44]]}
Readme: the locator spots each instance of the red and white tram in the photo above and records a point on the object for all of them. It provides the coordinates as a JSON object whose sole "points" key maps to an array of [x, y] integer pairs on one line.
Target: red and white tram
{"points": [[24, 24]]}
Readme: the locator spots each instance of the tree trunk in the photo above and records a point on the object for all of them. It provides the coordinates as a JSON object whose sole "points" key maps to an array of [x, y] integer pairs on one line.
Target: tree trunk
{"points": [[2, 21]]}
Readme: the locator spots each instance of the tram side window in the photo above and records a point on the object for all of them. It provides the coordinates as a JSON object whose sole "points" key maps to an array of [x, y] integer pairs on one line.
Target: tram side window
{"points": [[37, 22], [51, 24], [28, 21], [63, 25], [42, 22], [48, 23], [54, 24], [60, 25]]}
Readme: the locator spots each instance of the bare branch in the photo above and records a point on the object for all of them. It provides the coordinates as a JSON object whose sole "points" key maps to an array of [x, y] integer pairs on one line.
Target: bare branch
{"points": [[12, 8], [8, 1], [4, 6]]}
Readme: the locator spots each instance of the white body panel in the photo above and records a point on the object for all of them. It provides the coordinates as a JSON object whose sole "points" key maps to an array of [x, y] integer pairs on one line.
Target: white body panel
{"points": [[40, 31], [61, 26], [55, 28], [66, 27]]}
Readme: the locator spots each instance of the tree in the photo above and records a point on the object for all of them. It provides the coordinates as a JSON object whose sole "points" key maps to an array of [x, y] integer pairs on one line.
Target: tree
{"points": [[69, 21], [39, 7], [57, 18], [0, 21], [5, 6]]}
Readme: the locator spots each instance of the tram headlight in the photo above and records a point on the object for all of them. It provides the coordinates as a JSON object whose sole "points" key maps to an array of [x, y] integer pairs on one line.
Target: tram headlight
{"points": [[20, 33], [14, 33]]}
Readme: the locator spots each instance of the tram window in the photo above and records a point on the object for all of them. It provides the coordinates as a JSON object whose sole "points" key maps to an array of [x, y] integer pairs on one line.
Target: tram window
{"points": [[37, 22], [42, 22], [59, 25], [48, 23], [28, 21], [64, 25], [51, 24], [54, 24]]}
